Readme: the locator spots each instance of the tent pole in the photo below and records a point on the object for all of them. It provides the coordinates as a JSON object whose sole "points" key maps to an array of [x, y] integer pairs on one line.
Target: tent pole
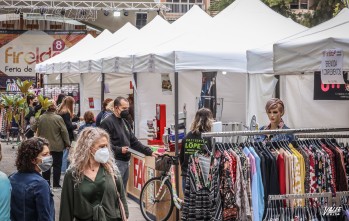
{"points": [[102, 89], [176, 137], [277, 89], [60, 80], [135, 104]]}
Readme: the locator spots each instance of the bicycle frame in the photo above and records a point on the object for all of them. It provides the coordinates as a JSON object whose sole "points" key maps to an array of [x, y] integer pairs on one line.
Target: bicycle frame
{"points": [[170, 176]]}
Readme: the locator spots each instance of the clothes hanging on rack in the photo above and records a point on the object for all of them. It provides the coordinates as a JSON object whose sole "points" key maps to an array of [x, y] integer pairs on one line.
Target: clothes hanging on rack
{"points": [[248, 173]]}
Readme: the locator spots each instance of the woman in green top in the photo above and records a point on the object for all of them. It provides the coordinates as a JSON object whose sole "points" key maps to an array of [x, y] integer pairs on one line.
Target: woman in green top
{"points": [[92, 187]]}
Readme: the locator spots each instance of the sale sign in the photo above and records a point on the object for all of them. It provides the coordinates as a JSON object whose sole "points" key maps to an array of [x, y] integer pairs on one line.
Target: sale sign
{"points": [[138, 173], [20, 51], [331, 66], [330, 91]]}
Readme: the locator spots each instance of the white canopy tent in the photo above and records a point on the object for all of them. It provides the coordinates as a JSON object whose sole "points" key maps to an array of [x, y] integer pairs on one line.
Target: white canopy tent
{"points": [[90, 83], [48, 67], [90, 65], [118, 57], [222, 45], [302, 54], [259, 64]]}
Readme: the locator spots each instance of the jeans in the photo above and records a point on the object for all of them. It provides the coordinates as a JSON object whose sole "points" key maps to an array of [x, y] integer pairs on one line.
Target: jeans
{"points": [[56, 165], [65, 162], [124, 169]]}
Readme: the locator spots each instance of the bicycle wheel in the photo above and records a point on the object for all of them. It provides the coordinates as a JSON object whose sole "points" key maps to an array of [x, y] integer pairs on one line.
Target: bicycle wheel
{"points": [[156, 204]]}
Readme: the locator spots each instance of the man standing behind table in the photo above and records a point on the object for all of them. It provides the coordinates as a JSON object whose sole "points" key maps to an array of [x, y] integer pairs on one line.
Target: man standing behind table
{"points": [[122, 137]]}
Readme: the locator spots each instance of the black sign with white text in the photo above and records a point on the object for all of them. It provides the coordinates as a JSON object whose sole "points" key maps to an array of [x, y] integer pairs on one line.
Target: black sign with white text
{"points": [[330, 91]]}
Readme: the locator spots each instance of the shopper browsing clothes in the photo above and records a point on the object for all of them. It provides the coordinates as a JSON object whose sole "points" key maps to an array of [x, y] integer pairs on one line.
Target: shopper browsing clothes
{"points": [[31, 197], [51, 126], [193, 141], [104, 110], [5, 195], [275, 109], [66, 111], [32, 102], [89, 119], [92, 188], [122, 137]]}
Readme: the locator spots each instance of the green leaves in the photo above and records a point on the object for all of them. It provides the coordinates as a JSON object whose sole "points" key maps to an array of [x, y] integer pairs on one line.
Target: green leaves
{"points": [[16, 105], [45, 103], [24, 85]]}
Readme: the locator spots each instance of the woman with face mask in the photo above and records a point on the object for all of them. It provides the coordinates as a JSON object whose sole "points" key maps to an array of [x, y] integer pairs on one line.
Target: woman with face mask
{"points": [[92, 188], [31, 197]]}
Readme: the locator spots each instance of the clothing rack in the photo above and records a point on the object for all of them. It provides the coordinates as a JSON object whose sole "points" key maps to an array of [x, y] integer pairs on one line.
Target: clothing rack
{"points": [[280, 131], [300, 196], [331, 198], [322, 136]]}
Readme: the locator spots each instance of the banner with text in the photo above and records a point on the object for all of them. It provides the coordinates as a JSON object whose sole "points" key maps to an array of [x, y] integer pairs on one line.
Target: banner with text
{"points": [[331, 66], [330, 91], [21, 50]]}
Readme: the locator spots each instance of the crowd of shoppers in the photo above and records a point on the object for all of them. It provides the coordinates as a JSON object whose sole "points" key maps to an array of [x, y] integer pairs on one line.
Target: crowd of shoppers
{"points": [[96, 179]]}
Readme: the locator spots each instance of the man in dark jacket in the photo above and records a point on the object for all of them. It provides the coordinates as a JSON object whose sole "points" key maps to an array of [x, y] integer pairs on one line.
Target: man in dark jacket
{"points": [[122, 138]]}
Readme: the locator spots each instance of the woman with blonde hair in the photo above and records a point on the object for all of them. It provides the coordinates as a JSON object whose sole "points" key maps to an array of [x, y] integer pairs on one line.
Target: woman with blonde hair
{"points": [[92, 188], [66, 111], [109, 110], [193, 141]]}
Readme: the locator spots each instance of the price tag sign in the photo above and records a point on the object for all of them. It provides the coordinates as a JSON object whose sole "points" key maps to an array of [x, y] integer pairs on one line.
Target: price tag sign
{"points": [[58, 45], [331, 66]]}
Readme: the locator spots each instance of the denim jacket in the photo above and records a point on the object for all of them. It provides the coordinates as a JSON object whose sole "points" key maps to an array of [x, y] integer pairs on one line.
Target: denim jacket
{"points": [[276, 137], [31, 198]]}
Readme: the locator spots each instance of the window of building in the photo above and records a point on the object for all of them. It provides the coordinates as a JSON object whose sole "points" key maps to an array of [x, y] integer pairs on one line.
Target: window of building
{"points": [[183, 5], [141, 20], [304, 4], [294, 4]]}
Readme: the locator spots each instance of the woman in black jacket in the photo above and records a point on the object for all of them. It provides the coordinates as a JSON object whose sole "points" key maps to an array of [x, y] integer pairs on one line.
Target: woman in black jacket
{"points": [[193, 141], [32, 102], [65, 110]]}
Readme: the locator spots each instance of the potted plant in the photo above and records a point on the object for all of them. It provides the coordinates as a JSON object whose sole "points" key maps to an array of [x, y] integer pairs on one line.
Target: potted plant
{"points": [[17, 108]]}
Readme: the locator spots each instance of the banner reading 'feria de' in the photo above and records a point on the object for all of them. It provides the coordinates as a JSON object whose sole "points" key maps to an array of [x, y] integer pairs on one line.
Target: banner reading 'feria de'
{"points": [[21, 50]]}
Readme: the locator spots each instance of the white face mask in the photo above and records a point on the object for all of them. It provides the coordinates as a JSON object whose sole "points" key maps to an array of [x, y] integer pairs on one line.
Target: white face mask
{"points": [[102, 155]]}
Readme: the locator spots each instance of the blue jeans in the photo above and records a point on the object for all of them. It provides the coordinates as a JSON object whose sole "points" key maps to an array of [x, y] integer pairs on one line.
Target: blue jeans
{"points": [[124, 169], [65, 162]]}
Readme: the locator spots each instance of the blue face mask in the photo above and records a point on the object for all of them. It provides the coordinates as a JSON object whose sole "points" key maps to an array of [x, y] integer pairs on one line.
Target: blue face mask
{"points": [[46, 163]]}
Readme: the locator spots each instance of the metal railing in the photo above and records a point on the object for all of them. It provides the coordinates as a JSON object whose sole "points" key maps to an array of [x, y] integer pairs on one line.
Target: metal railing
{"points": [[181, 8]]}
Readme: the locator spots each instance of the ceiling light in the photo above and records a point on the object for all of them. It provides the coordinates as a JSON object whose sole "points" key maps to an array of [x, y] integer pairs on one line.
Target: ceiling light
{"points": [[126, 13], [117, 14]]}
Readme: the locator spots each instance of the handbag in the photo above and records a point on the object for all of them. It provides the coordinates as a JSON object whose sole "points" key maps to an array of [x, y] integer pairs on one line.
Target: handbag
{"points": [[121, 205], [163, 163]]}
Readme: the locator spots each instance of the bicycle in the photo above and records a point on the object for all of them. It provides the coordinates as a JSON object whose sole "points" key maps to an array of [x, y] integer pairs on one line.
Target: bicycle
{"points": [[159, 193]]}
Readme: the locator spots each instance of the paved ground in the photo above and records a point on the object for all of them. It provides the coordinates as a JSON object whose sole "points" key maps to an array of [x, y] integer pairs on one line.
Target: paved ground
{"points": [[7, 166]]}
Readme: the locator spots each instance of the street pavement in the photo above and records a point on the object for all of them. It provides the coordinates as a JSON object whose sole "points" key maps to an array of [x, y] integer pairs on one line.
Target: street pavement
{"points": [[7, 165]]}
